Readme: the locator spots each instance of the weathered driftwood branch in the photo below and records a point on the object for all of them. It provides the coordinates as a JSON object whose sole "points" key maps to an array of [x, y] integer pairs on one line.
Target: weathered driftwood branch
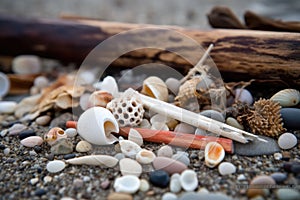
{"points": [[239, 54]]}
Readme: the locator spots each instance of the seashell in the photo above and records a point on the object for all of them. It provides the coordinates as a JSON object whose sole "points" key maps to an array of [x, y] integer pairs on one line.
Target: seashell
{"points": [[173, 84], [175, 185], [169, 196], [95, 126], [41, 82], [244, 96], [26, 105], [226, 168], [214, 154], [83, 146], [159, 126], [32, 141], [97, 160], [127, 110], [169, 165], [7, 107], [156, 88], [108, 84], [43, 120], [165, 151], [129, 148], [145, 156], [127, 184], [54, 134], [130, 167], [84, 101], [71, 132], [64, 101], [99, 98], [26, 64], [55, 166], [188, 180], [287, 97], [287, 141], [135, 137], [4, 85]]}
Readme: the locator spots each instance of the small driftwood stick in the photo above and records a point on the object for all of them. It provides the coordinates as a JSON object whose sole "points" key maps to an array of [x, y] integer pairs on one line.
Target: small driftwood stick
{"points": [[179, 139]]}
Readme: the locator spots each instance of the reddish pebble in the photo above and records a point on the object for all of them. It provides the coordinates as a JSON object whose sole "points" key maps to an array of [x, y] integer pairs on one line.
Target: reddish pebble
{"points": [[32, 141], [169, 165]]}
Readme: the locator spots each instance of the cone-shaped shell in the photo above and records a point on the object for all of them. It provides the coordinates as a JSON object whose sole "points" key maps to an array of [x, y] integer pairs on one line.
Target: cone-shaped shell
{"points": [[156, 88], [96, 124], [98, 160], [287, 97], [214, 154]]}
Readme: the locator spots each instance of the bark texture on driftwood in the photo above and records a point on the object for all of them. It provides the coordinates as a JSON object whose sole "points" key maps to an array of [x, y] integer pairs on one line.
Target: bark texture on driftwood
{"points": [[238, 54]]}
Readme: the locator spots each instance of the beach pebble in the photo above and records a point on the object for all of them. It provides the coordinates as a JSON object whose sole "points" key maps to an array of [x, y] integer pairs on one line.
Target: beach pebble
{"points": [[105, 184], [213, 115], [32, 141], [83, 146], [119, 196], [263, 180], [16, 129], [173, 84], [204, 196], [47, 179], [84, 101], [241, 177], [6, 151], [287, 194], [55, 166], [34, 181], [7, 107], [144, 185], [135, 137], [169, 196], [184, 128], [129, 148], [119, 156], [145, 124], [181, 157], [130, 167], [175, 185], [226, 168], [159, 178], [127, 183], [165, 151], [189, 180], [277, 156], [26, 64], [62, 146], [145, 156], [169, 165], [26, 133], [40, 192], [41, 82], [43, 120], [287, 141], [4, 85], [71, 132], [243, 96], [159, 126], [290, 118], [234, 123], [279, 177]]}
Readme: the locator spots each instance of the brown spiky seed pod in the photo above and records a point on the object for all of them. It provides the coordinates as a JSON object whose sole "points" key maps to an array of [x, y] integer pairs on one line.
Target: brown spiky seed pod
{"points": [[264, 118]]}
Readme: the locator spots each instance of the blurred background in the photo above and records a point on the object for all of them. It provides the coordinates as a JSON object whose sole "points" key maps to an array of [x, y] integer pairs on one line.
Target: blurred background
{"points": [[189, 13]]}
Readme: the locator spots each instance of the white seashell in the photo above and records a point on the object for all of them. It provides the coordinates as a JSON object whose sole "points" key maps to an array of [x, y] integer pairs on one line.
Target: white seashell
{"points": [[169, 196], [173, 84], [108, 84], [189, 180], [71, 132], [26, 64], [175, 185], [145, 156], [83, 146], [145, 124], [159, 126], [165, 151], [226, 168], [41, 82], [55, 166], [214, 154], [98, 160], [129, 148], [32, 141], [144, 185], [54, 134], [127, 184], [99, 98], [135, 137], [243, 96], [156, 88], [7, 107], [4, 85], [84, 101], [287, 97], [130, 167], [287, 141], [95, 126]]}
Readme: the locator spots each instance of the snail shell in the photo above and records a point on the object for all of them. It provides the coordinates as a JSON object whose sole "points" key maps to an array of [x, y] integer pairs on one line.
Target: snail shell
{"points": [[214, 154], [156, 88], [54, 134], [96, 124], [287, 97]]}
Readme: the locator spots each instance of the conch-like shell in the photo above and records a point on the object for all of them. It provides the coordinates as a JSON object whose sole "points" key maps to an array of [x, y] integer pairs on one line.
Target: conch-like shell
{"points": [[287, 97], [96, 124], [156, 88], [54, 134], [98, 160], [214, 154]]}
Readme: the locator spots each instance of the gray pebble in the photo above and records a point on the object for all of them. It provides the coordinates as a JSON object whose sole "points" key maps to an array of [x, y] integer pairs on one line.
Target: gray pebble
{"points": [[62, 146], [6, 151], [204, 196], [169, 196], [213, 115], [287, 194], [77, 183], [181, 157], [279, 177], [290, 118]]}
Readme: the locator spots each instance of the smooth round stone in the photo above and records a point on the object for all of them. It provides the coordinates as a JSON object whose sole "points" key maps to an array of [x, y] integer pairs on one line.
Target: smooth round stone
{"points": [[71, 132], [263, 180], [181, 157], [204, 196], [184, 128], [226, 168], [144, 186], [169, 196], [7, 107], [234, 123], [4, 85], [26, 64], [290, 118], [130, 167], [279, 177], [188, 180], [83, 146], [62, 146], [119, 196], [26, 134], [32, 141], [287, 141], [169, 165], [243, 96], [41, 82], [287, 194], [69, 156], [173, 84], [6, 151], [213, 115], [277, 156], [165, 151], [55, 166], [119, 156], [43, 120], [295, 168], [16, 129], [105, 184], [40, 192], [175, 185], [159, 178]]}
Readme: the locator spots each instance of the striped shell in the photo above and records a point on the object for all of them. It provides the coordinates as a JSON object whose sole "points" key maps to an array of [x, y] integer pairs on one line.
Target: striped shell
{"points": [[287, 97]]}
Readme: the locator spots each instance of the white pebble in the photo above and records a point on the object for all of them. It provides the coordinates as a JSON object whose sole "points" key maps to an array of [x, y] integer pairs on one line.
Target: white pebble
{"points": [[287, 141], [34, 181], [26, 64], [243, 96], [129, 148], [128, 184], [241, 177], [83, 146], [233, 122], [71, 132], [32, 153], [84, 101], [189, 180], [41, 82], [47, 179], [277, 156], [226, 168], [86, 179], [32, 141], [7, 107], [169, 196], [165, 151], [3, 132], [144, 185], [130, 167], [43, 120], [55, 166], [6, 151], [181, 157], [175, 185]]}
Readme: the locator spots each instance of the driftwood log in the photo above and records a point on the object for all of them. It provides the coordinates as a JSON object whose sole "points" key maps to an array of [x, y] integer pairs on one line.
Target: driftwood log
{"points": [[238, 54]]}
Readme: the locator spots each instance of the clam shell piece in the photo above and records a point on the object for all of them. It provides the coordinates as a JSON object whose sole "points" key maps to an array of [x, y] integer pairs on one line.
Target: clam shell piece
{"points": [[156, 88], [99, 98], [145, 156], [130, 167], [214, 154], [96, 160], [127, 184], [189, 180], [129, 148], [95, 126], [135, 137], [287, 97]]}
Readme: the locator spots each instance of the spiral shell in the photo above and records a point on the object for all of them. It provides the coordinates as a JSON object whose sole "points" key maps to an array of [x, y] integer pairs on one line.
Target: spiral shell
{"points": [[54, 134], [156, 88], [287, 97]]}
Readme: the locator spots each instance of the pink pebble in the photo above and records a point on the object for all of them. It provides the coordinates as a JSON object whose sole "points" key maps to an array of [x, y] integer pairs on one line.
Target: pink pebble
{"points": [[169, 165], [32, 141]]}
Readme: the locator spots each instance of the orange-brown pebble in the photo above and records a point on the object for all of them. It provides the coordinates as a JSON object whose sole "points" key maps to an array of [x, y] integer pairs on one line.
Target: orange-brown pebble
{"points": [[118, 196]]}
